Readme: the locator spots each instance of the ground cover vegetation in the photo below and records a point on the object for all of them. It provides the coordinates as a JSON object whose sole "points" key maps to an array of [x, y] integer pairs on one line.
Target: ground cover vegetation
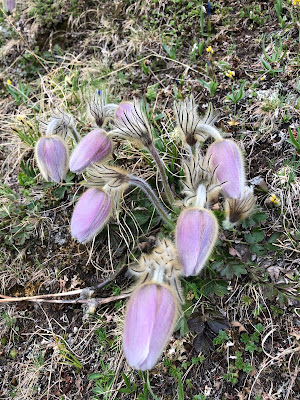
{"points": [[237, 334]]}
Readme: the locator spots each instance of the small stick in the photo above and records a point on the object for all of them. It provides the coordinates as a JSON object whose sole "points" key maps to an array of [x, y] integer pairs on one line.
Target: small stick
{"points": [[95, 288]]}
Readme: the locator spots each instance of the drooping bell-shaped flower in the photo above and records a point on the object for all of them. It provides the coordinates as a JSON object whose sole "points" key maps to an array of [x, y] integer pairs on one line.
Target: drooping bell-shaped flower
{"points": [[196, 235], [90, 214], [226, 162], [96, 146], [149, 322], [52, 158]]}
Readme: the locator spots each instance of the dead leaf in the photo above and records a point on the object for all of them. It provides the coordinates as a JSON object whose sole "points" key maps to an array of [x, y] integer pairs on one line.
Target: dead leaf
{"points": [[237, 324]]}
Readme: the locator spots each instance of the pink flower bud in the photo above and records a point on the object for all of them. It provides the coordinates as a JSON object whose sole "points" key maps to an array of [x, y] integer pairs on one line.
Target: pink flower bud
{"points": [[124, 110], [94, 147], [10, 5], [196, 235], [52, 158], [225, 158], [149, 322], [90, 214]]}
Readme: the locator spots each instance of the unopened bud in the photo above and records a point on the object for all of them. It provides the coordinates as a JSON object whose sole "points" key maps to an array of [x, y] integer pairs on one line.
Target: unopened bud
{"points": [[96, 146], [226, 162], [196, 235], [90, 214], [52, 158], [149, 323]]}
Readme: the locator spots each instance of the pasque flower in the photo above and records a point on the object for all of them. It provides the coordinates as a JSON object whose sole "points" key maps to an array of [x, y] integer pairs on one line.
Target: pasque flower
{"points": [[52, 158], [132, 123], [90, 214], [196, 235], [96, 146], [226, 161], [149, 322]]}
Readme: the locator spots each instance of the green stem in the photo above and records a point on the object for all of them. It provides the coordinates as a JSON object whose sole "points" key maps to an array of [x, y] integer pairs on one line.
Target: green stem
{"points": [[75, 135], [163, 175], [147, 189], [149, 387]]}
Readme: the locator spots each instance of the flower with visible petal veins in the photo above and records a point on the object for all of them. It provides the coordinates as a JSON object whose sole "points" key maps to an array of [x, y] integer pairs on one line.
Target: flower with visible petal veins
{"points": [[90, 214], [52, 158], [196, 235], [94, 147], [150, 318]]}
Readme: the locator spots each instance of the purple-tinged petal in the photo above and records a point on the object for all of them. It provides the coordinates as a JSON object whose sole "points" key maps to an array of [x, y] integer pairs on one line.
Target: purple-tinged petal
{"points": [[149, 322], [90, 214], [10, 5], [196, 235], [225, 158], [52, 158], [96, 146], [124, 110]]}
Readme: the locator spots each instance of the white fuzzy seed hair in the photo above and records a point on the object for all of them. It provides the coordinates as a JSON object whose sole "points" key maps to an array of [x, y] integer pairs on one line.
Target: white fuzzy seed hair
{"points": [[134, 126], [114, 178], [100, 110], [161, 266], [236, 210]]}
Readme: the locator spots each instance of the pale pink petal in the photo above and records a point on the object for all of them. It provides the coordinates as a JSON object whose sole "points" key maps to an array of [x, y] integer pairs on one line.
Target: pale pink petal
{"points": [[94, 147], [226, 160], [149, 323], [52, 158], [196, 234], [90, 214]]}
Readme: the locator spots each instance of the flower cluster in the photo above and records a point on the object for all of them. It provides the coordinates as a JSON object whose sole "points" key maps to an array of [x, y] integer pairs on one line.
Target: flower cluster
{"points": [[155, 299]]}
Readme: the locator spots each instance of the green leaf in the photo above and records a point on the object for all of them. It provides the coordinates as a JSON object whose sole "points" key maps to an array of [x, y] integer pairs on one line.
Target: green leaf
{"points": [[247, 368], [257, 235], [257, 249], [180, 390], [94, 376], [232, 269], [274, 237], [217, 287]]}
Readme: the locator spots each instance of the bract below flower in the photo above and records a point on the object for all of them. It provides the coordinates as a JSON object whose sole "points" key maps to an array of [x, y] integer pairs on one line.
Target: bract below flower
{"points": [[52, 158], [149, 322], [90, 214], [196, 235], [96, 146], [226, 161]]}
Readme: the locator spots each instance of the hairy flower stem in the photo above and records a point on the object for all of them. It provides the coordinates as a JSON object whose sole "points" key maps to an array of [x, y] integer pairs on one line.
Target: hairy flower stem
{"points": [[74, 134], [139, 182], [163, 175]]}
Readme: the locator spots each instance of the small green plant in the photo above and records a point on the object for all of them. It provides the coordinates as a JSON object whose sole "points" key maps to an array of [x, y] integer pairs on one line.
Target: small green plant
{"points": [[212, 86], [103, 381], [171, 49], [277, 55], [237, 95], [130, 387], [278, 5], [66, 354], [20, 93], [197, 50], [294, 139]]}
